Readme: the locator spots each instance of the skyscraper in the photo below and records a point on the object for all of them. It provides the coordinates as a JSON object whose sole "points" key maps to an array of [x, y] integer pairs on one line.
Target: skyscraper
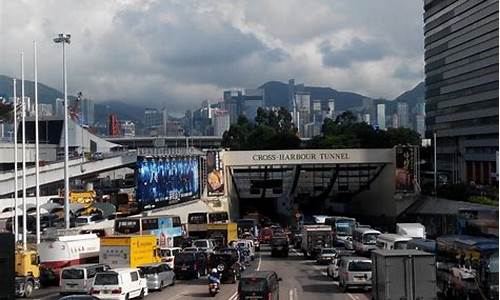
{"points": [[87, 112], [461, 78], [402, 109], [221, 120], [381, 115]]}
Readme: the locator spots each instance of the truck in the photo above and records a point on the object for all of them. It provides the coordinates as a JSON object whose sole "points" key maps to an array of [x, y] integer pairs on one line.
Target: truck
{"points": [[467, 267], [27, 272], [413, 230], [403, 274], [222, 233], [126, 203], [129, 251], [315, 237]]}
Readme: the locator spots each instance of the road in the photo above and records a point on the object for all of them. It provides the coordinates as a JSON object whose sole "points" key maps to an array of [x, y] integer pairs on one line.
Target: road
{"points": [[301, 279]]}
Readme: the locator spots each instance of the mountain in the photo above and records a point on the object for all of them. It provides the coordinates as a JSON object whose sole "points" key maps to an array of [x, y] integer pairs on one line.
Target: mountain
{"points": [[413, 96]]}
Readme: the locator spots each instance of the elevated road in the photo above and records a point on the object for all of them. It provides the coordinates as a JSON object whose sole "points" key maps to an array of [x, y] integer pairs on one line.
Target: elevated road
{"points": [[54, 172]]}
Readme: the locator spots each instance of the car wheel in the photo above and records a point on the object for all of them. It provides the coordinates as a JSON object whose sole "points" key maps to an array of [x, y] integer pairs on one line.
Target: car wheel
{"points": [[28, 289], [126, 297], [161, 285], [141, 295], [173, 281]]}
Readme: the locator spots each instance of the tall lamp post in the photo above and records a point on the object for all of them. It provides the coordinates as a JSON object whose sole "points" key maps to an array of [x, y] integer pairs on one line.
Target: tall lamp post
{"points": [[37, 153], [64, 39]]}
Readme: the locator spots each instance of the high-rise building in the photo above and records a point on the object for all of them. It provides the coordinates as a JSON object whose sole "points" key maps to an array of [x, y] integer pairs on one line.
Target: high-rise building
{"points": [[87, 111], [59, 107], [153, 121], [113, 125], [402, 111], [128, 128], [381, 115], [221, 120], [252, 100], [243, 102], [331, 108], [461, 80], [366, 118], [420, 125]]}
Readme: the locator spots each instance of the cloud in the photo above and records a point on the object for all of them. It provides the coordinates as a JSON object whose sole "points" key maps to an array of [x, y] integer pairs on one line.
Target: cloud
{"points": [[176, 53]]}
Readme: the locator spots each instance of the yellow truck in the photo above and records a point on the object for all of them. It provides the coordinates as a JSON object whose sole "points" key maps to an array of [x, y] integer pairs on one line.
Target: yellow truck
{"points": [[129, 251], [222, 233], [27, 273]]}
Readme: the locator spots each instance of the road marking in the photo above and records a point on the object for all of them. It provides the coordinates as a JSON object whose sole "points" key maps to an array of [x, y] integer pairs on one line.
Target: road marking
{"points": [[290, 294], [260, 259], [295, 293], [351, 296], [234, 296]]}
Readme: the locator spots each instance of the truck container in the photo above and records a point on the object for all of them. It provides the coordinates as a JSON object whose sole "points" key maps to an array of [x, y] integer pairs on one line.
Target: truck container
{"points": [[413, 230], [315, 237], [129, 251], [403, 274]]}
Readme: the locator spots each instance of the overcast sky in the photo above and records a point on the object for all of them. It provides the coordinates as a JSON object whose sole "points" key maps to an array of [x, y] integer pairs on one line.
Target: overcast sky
{"points": [[177, 53]]}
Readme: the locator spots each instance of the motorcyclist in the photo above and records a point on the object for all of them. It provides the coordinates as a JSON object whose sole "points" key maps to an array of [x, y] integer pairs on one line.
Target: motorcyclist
{"points": [[214, 276]]}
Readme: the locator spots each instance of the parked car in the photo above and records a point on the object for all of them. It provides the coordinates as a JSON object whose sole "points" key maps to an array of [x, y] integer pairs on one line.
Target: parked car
{"points": [[279, 246], [79, 278], [120, 284], [158, 275], [355, 272], [168, 255], [191, 264], [326, 255], [259, 285]]}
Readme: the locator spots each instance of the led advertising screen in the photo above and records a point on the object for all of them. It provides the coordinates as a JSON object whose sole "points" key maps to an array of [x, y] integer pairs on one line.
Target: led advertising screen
{"points": [[166, 180]]}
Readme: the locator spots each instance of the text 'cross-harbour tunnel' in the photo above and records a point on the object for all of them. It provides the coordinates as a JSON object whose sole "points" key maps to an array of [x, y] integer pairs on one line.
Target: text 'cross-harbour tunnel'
{"points": [[370, 182]]}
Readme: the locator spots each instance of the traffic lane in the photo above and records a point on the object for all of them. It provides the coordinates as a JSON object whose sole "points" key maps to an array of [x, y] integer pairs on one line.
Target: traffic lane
{"points": [[303, 279], [50, 292]]}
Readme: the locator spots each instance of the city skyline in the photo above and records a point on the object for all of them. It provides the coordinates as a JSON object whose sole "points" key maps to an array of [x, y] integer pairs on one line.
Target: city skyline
{"points": [[119, 55]]}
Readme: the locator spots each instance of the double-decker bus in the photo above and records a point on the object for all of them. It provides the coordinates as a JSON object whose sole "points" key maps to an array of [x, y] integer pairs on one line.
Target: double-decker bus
{"points": [[167, 228], [198, 222]]}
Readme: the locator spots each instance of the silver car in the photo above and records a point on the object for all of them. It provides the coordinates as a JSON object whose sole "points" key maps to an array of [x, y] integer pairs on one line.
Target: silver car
{"points": [[158, 275], [355, 272]]}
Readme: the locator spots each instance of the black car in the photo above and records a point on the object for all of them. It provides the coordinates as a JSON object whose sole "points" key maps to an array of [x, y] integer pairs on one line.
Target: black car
{"points": [[259, 285], [190, 265], [226, 261], [279, 246]]}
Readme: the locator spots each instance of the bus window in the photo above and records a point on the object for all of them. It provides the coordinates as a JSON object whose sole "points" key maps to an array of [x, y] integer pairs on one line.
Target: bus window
{"points": [[218, 217], [127, 226], [150, 224], [197, 218]]}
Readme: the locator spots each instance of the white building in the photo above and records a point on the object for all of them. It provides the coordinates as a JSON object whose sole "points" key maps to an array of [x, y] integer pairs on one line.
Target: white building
{"points": [[128, 128], [381, 115], [221, 122]]}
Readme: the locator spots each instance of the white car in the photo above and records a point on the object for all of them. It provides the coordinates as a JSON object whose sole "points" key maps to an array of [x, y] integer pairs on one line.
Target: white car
{"points": [[348, 243], [168, 255], [119, 284]]}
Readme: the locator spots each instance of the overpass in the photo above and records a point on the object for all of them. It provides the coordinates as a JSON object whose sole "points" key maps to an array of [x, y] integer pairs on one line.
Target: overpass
{"points": [[54, 172], [200, 142]]}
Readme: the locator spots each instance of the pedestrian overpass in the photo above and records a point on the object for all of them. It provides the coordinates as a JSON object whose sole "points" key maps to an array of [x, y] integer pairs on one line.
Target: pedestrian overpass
{"points": [[54, 172], [342, 181]]}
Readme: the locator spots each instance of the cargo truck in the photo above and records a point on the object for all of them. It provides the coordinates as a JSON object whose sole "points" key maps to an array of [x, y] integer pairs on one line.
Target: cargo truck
{"points": [[27, 273], [403, 274], [129, 251], [315, 237]]}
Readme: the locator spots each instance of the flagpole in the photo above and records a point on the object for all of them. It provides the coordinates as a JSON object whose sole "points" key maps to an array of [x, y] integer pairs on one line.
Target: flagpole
{"points": [[23, 128], [37, 153], [16, 183]]}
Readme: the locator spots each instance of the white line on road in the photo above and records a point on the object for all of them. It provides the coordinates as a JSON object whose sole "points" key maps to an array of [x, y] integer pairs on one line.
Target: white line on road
{"points": [[260, 259], [351, 296], [234, 296], [290, 294]]}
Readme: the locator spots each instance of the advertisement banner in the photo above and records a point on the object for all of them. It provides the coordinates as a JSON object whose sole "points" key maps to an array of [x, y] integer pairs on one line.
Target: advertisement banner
{"points": [[215, 175], [405, 168], [166, 180]]}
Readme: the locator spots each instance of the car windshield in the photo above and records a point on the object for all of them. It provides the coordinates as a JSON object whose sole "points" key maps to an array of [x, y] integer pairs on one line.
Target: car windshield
{"points": [[149, 270], [72, 274], [81, 220], [401, 245], [344, 227], [201, 244], [183, 258], [166, 252], [360, 266], [370, 238], [253, 285], [106, 279]]}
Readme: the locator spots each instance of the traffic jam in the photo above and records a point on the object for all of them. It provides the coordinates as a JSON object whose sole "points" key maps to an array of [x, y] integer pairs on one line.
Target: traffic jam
{"points": [[151, 253]]}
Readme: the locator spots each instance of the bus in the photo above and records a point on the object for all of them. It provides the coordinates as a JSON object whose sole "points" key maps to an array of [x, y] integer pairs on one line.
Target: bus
{"points": [[342, 228], [198, 221], [389, 241], [167, 228], [365, 239]]}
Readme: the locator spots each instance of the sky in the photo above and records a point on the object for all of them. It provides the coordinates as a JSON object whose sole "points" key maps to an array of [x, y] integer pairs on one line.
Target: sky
{"points": [[176, 53]]}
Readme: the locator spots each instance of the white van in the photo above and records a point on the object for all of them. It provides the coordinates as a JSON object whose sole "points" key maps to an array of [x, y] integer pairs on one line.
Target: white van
{"points": [[119, 284], [389, 241], [364, 239], [78, 279]]}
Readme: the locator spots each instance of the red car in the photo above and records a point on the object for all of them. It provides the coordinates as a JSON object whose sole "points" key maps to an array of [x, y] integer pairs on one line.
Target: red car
{"points": [[266, 235]]}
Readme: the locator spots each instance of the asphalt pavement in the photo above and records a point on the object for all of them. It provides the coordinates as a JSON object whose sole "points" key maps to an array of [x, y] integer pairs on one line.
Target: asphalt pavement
{"points": [[301, 279]]}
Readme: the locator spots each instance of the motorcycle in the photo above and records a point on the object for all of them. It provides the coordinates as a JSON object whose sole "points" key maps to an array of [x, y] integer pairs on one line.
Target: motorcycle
{"points": [[214, 286]]}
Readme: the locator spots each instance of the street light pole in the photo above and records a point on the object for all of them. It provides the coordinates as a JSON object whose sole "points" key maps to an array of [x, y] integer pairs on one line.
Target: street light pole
{"points": [[23, 128], [16, 183], [65, 38], [435, 164], [37, 153]]}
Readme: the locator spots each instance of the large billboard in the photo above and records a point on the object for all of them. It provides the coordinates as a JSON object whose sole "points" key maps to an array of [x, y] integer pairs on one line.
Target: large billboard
{"points": [[405, 168], [166, 180], [215, 175]]}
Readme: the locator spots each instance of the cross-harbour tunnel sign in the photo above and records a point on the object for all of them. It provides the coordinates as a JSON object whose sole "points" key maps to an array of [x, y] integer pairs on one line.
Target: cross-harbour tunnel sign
{"points": [[316, 156]]}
